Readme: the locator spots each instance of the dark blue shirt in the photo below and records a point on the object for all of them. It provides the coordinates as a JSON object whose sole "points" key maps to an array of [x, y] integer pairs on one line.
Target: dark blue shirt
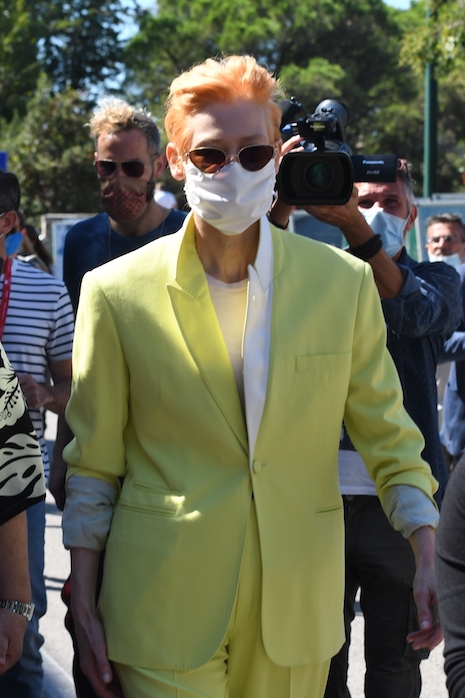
{"points": [[419, 320], [92, 242]]}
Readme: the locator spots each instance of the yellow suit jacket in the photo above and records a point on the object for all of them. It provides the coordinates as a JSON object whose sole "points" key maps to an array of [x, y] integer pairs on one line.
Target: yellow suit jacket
{"points": [[155, 401]]}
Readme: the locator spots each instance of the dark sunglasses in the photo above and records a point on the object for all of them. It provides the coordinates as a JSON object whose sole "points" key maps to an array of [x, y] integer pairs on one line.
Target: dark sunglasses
{"points": [[131, 168], [211, 160]]}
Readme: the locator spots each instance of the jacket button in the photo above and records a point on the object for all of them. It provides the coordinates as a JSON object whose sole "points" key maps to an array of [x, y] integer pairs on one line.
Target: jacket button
{"points": [[257, 466]]}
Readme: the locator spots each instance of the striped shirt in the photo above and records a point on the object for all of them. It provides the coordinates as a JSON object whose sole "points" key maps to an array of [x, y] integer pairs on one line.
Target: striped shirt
{"points": [[39, 328]]}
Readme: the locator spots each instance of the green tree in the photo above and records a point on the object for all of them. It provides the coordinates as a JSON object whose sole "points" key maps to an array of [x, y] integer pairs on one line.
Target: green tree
{"points": [[19, 68], [80, 44], [435, 33], [340, 49], [357, 39], [437, 37], [51, 153], [76, 43]]}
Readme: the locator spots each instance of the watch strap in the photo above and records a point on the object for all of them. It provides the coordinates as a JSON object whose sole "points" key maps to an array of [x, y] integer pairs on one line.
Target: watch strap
{"points": [[25, 610]]}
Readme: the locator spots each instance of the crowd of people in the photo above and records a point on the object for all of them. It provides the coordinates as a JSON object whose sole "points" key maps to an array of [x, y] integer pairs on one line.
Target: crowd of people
{"points": [[248, 431]]}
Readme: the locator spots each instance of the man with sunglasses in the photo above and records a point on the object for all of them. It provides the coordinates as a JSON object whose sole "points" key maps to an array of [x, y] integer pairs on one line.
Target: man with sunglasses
{"points": [[128, 161]]}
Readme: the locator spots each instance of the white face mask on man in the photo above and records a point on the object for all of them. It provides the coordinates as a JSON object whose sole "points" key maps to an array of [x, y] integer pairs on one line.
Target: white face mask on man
{"points": [[452, 259], [390, 228], [232, 198]]}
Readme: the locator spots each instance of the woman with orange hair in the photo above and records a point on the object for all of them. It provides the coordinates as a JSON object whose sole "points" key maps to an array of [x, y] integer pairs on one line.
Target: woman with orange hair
{"points": [[210, 380]]}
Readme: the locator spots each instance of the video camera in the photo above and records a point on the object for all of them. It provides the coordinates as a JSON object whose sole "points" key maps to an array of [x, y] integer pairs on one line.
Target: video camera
{"points": [[325, 171]]}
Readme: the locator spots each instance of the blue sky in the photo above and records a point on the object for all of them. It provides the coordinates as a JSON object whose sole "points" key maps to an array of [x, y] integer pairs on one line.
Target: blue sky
{"points": [[401, 4]]}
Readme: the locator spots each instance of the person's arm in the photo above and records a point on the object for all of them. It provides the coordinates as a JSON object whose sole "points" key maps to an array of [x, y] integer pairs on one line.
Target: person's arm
{"points": [[14, 586], [58, 466], [280, 212], [430, 634], [53, 397], [429, 302], [388, 277], [89, 630]]}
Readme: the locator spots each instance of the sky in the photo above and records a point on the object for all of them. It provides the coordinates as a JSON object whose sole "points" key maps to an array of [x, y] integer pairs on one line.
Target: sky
{"points": [[401, 4]]}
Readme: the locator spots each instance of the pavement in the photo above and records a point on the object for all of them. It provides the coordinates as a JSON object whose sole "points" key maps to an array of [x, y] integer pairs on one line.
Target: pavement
{"points": [[57, 651]]}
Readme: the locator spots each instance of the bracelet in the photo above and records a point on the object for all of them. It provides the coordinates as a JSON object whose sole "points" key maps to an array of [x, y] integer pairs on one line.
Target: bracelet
{"points": [[368, 249], [25, 610], [276, 225]]}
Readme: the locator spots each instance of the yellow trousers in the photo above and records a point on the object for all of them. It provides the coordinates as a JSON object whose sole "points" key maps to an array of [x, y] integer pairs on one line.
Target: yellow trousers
{"points": [[240, 668]]}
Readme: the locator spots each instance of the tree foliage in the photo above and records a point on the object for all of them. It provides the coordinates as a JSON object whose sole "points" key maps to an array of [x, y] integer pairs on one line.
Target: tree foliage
{"points": [[76, 43], [435, 34], [19, 68], [55, 57], [81, 45], [51, 153], [340, 49], [355, 41]]}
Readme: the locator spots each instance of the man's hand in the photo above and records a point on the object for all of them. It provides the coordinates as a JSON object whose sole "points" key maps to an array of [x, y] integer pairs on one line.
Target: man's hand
{"points": [[346, 217], [12, 629], [424, 591], [54, 397], [280, 212], [36, 394]]}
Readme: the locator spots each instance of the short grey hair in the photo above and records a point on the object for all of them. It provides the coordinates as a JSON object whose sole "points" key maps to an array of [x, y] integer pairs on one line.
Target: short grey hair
{"points": [[447, 218]]}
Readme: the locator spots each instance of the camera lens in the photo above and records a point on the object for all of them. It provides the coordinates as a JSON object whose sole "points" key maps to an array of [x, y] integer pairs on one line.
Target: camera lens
{"points": [[319, 175]]}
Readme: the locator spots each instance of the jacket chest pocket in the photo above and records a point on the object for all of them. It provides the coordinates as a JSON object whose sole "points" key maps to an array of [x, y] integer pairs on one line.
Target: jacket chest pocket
{"points": [[323, 367]]}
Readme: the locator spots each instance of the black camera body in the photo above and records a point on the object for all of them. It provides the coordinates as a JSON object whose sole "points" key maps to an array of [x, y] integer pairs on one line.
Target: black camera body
{"points": [[325, 171]]}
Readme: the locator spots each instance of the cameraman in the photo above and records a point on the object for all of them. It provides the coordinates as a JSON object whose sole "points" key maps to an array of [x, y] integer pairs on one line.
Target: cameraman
{"points": [[421, 304]]}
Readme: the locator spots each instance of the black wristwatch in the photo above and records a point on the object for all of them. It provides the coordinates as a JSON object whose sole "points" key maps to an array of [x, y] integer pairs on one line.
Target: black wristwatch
{"points": [[25, 610]]}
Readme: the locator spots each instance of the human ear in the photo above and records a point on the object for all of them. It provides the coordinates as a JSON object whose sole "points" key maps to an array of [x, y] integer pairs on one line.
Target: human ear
{"points": [[175, 162], [412, 217], [159, 165]]}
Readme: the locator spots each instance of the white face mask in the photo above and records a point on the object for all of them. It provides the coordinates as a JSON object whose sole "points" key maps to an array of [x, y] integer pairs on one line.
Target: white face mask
{"points": [[452, 259], [231, 199], [391, 228]]}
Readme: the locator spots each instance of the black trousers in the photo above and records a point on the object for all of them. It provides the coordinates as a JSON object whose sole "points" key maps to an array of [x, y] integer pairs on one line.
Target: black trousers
{"points": [[379, 562]]}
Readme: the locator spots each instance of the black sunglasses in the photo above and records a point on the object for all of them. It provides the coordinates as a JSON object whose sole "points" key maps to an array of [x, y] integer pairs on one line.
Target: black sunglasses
{"points": [[211, 160], [131, 168]]}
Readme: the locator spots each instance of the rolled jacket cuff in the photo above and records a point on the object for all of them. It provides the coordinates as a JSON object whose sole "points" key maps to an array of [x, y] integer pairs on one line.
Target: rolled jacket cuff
{"points": [[408, 508], [88, 512]]}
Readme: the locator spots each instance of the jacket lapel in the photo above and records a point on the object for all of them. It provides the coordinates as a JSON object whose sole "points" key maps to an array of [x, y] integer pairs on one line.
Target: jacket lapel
{"points": [[196, 317]]}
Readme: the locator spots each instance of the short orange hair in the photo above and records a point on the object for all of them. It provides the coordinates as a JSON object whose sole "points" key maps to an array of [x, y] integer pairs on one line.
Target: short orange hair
{"points": [[220, 80]]}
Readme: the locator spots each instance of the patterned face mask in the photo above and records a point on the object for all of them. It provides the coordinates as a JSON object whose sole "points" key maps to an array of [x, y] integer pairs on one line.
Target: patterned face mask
{"points": [[124, 205]]}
